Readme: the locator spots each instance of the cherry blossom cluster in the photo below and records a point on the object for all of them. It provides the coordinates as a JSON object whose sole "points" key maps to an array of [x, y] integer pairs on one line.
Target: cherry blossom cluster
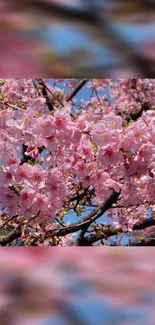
{"points": [[98, 147]]}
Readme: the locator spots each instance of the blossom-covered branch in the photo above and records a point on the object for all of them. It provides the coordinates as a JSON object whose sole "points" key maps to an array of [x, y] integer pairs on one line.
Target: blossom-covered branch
{"points": [[109, 231], [52, 164]]}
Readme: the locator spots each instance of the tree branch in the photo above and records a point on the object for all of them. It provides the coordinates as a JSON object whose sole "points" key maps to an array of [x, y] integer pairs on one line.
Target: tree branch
{"points": [[109, 231], [134, 116], [87, 220], [83, 224], [47, 89], [7, 239], [45, 95], [96, 92], [77, 89], [7, 221], [144, 106], [147, 241]]}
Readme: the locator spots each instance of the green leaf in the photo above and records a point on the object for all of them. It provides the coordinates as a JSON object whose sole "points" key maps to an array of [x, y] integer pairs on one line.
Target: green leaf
{"points": [[130, 122], [2, 82], [2, 96], [65, 210], [94, 146], [79, 210], [57, 95], [126, 123], [30, 163], [21, 103]]}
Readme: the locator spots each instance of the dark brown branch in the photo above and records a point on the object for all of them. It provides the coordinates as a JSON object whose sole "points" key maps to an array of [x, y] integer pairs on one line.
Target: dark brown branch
{"points": [[96, 92], [77, 89], [147, 241], [16, 233], [45, 95], [145, 107], [134, 116], [83, 224], [90, 218], [47, 89], [59, 222], [109, 231], [82, 241], [7, 221], [7, 239], [146, 223]]}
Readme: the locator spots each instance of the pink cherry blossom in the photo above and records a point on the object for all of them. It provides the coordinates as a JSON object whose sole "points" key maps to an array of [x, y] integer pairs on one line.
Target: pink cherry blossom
{"points": [[101, 135], [60, 121], [9, 198], [51, 142], [22, 172], [73, 161], [36, 174], [85, 150], [81, 168], [26, 198], [40, 203], [6, 176], [113, 122], [108, 155]]}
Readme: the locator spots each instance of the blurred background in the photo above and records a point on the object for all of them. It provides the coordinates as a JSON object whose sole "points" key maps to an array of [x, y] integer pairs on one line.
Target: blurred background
{"points": [[44, 286], [77, 38]]}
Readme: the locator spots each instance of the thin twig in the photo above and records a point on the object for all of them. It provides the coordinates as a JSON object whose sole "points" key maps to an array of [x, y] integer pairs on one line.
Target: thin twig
{"points": [[96, 92], [60, 223], [11, 106], [46, 87], [34, 217], [77, 89], [45, 95]]}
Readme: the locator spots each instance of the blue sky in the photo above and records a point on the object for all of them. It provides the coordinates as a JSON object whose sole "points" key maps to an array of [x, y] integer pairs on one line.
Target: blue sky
{"points": [[73, 39], [64, 38], [71, 36], [98, 311]]}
